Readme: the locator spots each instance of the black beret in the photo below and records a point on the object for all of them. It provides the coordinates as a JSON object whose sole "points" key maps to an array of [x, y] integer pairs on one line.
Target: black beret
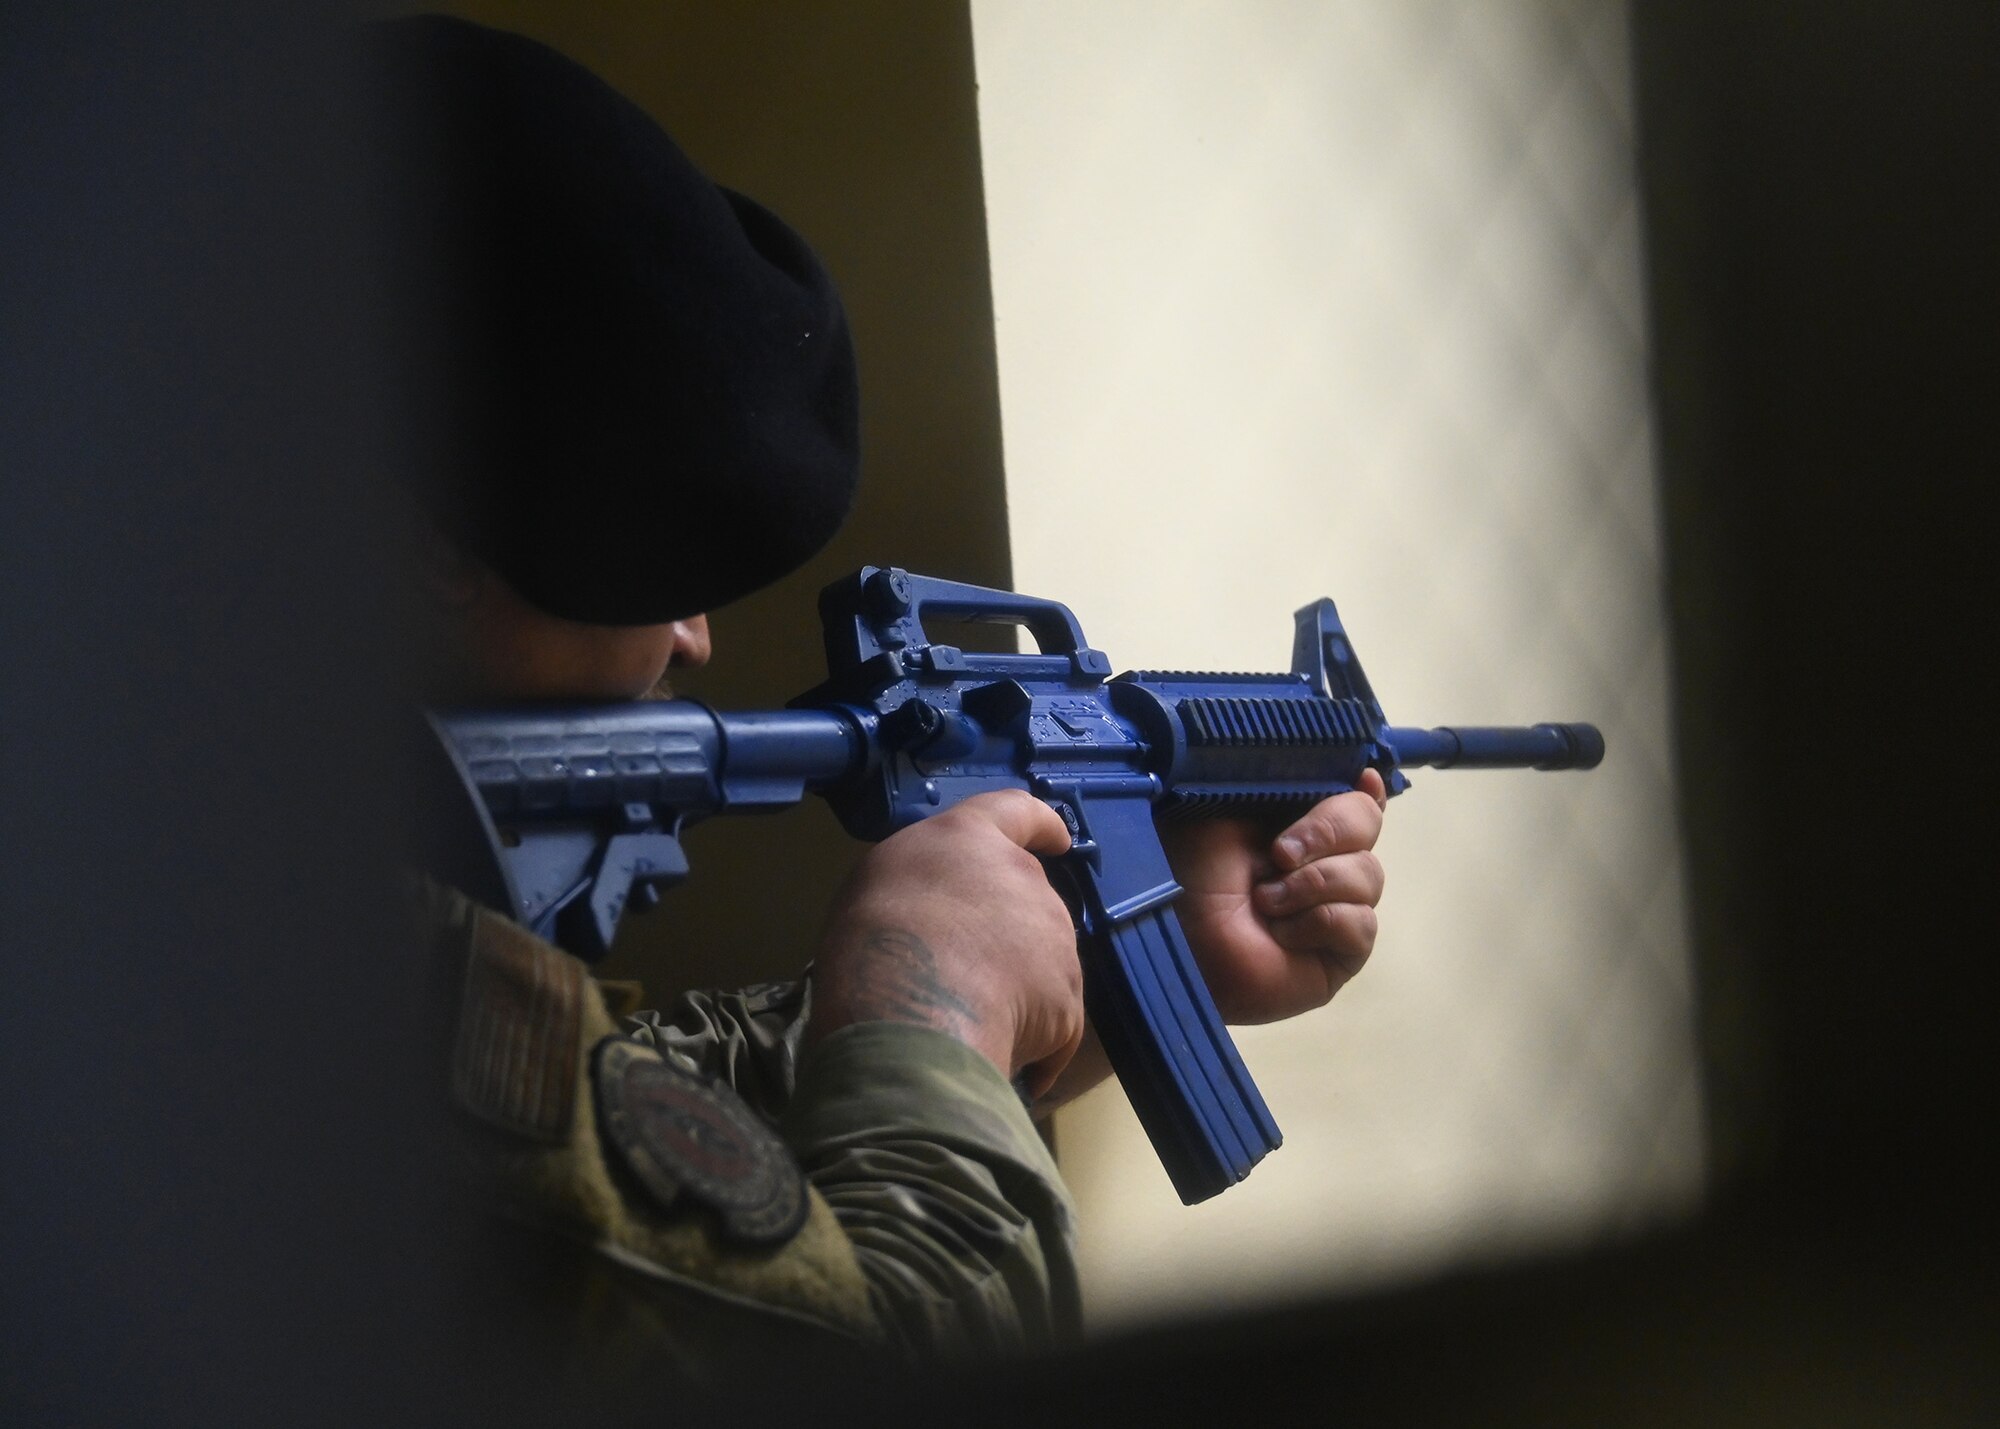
{"points": [[634, 389]]}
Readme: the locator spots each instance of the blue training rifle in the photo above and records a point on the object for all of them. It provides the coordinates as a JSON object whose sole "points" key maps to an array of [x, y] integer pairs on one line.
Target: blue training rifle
{"points": [[583, 806]]}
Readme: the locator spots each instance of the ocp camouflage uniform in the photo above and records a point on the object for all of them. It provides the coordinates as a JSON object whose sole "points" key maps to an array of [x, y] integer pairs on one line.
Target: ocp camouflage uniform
{"points": [[708, 1190]]}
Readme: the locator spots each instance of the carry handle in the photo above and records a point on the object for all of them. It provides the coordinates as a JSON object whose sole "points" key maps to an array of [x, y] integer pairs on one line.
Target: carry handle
{"points": [[897, 595]]}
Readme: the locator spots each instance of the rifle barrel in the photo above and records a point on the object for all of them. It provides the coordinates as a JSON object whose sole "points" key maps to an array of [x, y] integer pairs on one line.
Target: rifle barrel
{"points": [[1542, 746]]}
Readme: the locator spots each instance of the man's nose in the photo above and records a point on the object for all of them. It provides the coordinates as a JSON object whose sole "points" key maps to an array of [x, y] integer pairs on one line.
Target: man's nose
{"points": [[692, 645]]}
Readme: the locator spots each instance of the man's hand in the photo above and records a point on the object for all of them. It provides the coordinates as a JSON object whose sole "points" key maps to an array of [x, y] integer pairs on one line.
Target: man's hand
{"points": [[1279, 926], [1276, 925], [951, 924]]}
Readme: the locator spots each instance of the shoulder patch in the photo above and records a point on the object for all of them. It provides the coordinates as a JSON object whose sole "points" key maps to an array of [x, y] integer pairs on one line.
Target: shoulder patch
{"points": [[514, 1062], [681, 1135]]}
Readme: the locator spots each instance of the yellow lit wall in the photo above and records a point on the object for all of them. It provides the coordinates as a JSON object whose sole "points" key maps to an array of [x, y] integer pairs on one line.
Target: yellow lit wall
{"points": [[1301, 299]]}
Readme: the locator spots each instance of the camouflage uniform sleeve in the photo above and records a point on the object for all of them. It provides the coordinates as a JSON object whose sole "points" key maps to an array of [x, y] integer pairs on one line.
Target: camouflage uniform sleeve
{"points": [[960, 1222], [749, 1039], [637, 1223], [957, 1215]]}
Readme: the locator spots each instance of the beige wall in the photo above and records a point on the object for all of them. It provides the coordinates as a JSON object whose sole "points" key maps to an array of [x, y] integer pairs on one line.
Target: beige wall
{"points": [[1343, 299]]}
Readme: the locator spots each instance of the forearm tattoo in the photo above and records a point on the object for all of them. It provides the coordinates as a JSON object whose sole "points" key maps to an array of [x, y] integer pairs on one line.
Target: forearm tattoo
{"points": [[893, 977]]}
